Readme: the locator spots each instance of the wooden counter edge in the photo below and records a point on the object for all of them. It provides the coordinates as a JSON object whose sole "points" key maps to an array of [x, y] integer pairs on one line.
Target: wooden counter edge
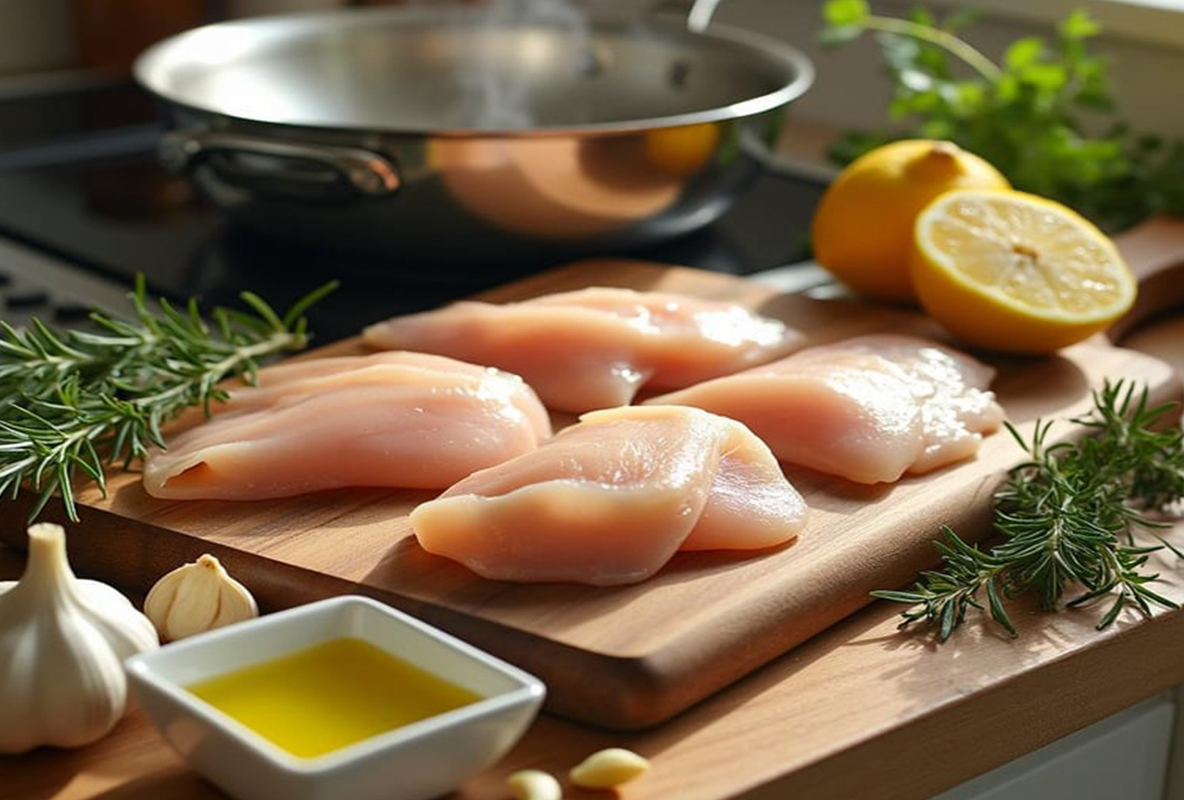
{"points": [[988, 728]]}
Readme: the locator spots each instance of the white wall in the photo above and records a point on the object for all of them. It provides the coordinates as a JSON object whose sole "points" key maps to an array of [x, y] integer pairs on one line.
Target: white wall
{"points": [[850, 91]]}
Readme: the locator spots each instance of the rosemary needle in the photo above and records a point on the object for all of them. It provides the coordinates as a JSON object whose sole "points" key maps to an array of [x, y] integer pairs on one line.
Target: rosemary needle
{"points": [[73, 402], [1067, 517]]}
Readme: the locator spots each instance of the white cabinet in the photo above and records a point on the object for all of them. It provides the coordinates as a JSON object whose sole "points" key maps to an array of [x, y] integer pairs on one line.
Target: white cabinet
{"points": [[1085, 765]]}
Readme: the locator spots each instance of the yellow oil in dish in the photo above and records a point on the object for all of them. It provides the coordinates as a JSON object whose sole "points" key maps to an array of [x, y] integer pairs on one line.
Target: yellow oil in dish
{"points": [[330, 695]]}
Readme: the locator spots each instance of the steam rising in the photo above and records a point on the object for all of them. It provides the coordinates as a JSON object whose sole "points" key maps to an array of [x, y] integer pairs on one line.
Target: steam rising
{"points": [[497, 87]]}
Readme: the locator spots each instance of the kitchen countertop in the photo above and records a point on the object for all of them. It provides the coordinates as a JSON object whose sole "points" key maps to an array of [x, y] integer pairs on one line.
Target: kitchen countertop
{"points": [[859, 709]]}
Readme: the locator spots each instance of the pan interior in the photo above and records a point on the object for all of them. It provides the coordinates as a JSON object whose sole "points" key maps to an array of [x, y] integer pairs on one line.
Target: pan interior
{"points": [[423, 73]]}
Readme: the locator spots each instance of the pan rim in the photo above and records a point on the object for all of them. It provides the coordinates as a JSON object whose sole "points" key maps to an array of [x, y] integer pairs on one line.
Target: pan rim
{"points": [[153, 70]]}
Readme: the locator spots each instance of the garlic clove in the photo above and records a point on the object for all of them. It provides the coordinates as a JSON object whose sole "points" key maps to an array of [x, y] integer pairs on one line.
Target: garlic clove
{"points": [[62, 644], [76, 718], [198, 597], [608, 769], [533, 784]]}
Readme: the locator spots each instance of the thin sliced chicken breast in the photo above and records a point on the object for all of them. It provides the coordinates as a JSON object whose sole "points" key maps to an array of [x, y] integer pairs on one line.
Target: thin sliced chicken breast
{"points": [[610, 499], [316, 375], [322, 424], [869, 409], [595, 348]]}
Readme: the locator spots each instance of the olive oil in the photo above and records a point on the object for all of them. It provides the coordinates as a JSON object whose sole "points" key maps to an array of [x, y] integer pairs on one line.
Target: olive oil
{"points": [[322, 698]]}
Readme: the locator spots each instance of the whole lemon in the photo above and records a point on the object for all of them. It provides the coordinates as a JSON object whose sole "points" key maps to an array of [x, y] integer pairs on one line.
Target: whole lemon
{"points": [[863, 228]]}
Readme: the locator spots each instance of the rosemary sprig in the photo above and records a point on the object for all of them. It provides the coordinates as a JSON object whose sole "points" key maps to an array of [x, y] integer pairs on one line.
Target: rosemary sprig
{"points": [[1067, 516], [73, 402]]}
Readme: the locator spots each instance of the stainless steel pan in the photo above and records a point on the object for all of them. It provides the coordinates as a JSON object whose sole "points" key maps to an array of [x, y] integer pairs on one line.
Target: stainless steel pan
{"points": [[441, 136]]}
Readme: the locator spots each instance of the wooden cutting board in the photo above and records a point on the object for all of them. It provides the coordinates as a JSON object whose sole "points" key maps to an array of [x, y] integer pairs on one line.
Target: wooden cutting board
{"points": [[621, 657]]}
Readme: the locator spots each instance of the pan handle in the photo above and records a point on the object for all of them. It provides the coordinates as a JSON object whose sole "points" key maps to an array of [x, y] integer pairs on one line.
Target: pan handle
{"points": [[781, 165], [697, 13], [699, 17], [271, 162]]}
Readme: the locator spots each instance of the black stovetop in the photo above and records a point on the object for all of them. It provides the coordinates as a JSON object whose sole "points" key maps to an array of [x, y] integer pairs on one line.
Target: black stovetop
{"points": [[79, 181]]}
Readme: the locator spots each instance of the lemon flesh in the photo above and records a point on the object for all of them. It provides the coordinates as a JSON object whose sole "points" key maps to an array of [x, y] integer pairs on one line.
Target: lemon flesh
{"points": [[1011, 271]]}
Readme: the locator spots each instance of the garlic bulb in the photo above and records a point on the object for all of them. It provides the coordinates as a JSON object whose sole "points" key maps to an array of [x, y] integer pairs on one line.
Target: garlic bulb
{"points": [[62, 646], [197, 597]]}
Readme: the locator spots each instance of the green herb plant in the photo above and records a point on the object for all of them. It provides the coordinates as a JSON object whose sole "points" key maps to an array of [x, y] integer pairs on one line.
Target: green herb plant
{"points": [[1067, 517], [73, 402], [1026, 115]]}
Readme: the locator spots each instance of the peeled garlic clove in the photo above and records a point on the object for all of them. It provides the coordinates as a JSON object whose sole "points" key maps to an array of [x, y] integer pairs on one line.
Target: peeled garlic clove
{"points": [[533, 784], [606, 769], [197, 597]]}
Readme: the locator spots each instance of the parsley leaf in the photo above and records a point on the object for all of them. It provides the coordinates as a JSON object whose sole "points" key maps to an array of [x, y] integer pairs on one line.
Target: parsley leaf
{"points": [[1024, 115]]}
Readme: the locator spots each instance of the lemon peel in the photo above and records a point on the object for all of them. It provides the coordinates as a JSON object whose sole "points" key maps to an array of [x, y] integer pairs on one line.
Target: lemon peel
{"points": [[862, 230]]}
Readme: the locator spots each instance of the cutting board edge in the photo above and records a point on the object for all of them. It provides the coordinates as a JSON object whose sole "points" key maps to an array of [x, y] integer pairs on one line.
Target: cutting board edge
{"points": [[630, 692]]}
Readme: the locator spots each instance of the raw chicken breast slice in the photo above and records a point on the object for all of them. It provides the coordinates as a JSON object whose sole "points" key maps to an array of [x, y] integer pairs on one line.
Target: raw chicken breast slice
{"points": [[309, 374], [609, 500], [951, 386], [595, 348], [380, 425], [315, 375], [751, 505], [868, 409]]}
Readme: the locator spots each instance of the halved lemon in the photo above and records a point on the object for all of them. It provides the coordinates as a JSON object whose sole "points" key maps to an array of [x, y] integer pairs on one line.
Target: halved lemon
{"points": [[1011, 271]]}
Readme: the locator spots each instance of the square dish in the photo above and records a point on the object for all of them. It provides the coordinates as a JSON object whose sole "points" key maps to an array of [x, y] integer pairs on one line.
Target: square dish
{"points": [[415, 761]]}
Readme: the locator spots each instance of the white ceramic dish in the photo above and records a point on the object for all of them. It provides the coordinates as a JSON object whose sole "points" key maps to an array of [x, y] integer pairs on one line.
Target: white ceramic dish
{"points": [[418, 761]]}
